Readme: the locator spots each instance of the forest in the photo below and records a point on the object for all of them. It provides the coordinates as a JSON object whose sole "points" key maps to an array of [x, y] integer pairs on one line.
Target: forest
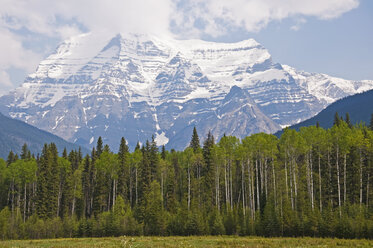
{"points": [[316, 182]]}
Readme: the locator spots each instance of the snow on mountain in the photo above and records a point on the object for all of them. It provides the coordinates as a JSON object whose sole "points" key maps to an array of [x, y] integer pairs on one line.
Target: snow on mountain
{"points": [[136, 86]]}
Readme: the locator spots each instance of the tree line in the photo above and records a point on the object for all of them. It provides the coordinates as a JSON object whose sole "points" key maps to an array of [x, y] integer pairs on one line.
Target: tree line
{"points": [[314, 182]]}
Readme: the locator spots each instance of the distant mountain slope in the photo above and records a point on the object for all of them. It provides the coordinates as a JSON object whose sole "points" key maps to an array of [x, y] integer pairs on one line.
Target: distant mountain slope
{"points": [[14, 133], [359, 107]]}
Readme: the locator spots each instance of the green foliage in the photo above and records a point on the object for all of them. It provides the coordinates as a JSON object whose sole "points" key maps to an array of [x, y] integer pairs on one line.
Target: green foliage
{"points": [[314, 182]]}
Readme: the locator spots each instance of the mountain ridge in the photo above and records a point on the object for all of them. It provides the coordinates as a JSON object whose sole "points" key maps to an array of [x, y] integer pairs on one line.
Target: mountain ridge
{"points": [[358, 107], [15, 133], [137, 86]]}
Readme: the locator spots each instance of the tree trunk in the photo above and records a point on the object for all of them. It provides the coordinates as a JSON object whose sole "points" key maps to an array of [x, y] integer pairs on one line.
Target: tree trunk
{"points": [[295, 182], [338, 181], [73, 204], [265, 179], [291, 185], [130, 174], [188, 187], [231, 184], [361, 178], [274, 183], [226, 185], [320, 183], [114, 193], [257, 185], [286, 178], [344, 179], [330, 179], [24, 203], [311, 171], [217, 203], [136, 185], [242, 188], [59, 199], [368, 191]]}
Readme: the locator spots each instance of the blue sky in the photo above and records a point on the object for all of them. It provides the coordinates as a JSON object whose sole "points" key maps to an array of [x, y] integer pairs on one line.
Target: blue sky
{"points": [[329, 36]]}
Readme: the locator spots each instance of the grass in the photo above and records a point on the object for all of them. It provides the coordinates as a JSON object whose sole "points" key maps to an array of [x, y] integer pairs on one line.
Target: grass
{"points": [[194, 241]]}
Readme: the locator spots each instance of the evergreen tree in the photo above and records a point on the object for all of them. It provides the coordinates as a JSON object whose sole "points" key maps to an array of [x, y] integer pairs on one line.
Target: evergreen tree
{"points": [[99, 147], [86, 184], [153, 159], [123, 171], [25, 152], [314, 182], [371, 122], [163, 153], [337, 120], [347, 120], [208, 170], [194, 143], [64, 153], [11, 158]]}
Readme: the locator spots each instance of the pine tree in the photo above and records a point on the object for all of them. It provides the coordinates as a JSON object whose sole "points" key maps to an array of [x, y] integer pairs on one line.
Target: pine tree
{"points": [[25, 152], [347, 120], [208, 170], [153, 159], [42, 186], [53, 181], [64, 153], [99, 147], [336, 119], [123, 171], [371, 122], [86, 183], [106, 148], [163, 153], [11, 158], [194, 143], [138, 147]]}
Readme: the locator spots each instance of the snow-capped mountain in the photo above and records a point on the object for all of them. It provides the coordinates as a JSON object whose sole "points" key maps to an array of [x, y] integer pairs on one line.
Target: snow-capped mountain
{"points": [[137, 86]]}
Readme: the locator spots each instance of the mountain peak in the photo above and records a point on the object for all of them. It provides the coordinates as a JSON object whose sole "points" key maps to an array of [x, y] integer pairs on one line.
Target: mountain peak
{"points": [[139, 85]]}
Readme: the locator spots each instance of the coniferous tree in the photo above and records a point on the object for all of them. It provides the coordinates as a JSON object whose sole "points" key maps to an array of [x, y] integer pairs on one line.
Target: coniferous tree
{"points": [[11, 158], [163, 152], [153, 159], [99, 147], [314, 182], [337, 120], [371, 122], [25, 152], [347, 120], [123, 171], [64, 153], [86, 184], [194, 143], [208, 170]]}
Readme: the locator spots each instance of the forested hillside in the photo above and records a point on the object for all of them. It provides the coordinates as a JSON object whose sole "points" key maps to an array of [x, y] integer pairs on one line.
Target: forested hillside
{"points": [[314, 182], [14, 133], [358, 108]]}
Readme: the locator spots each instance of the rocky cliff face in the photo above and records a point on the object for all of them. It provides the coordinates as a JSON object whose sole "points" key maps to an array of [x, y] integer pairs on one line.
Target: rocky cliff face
{"points": [[137, 86]]}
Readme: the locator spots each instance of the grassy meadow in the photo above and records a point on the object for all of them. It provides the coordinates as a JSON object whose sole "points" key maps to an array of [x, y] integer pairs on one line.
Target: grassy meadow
{"points": [[194, 241]]}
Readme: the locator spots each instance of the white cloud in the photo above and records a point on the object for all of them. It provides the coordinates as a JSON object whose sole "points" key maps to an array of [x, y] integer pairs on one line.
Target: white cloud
{"points": [[188, 18], [253, 15], [298, 24]]}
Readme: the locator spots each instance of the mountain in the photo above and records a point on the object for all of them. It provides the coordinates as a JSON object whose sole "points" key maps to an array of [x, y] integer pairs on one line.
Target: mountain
{"points": [[358, 106], [15, 133], [137, 86]]}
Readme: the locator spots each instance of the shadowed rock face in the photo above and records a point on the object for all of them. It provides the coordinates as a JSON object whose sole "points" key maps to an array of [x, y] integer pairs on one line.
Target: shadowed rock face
{"points": [[137, 86]]}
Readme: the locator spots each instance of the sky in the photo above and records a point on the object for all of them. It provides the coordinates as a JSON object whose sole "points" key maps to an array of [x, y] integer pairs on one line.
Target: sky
{"points": [[327, 36]]}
